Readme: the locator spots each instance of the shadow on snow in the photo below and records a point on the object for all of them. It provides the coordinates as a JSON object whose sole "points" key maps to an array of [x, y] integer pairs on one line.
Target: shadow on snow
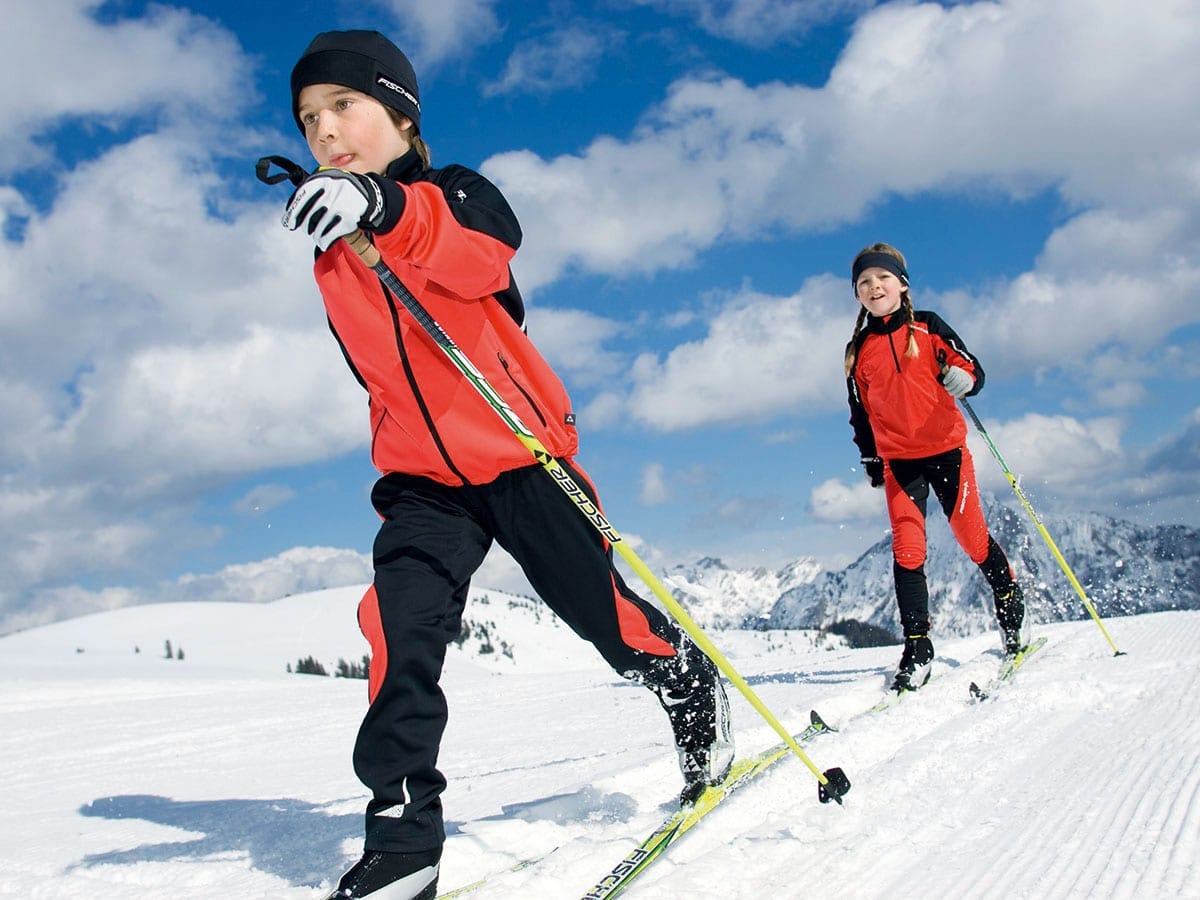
{"points": [[296, 841]]}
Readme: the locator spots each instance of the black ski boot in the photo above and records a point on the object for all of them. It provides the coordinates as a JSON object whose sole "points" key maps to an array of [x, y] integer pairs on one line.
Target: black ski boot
{"points": [[915, 662], [1010, 613], [391, 876], [689, 687]]}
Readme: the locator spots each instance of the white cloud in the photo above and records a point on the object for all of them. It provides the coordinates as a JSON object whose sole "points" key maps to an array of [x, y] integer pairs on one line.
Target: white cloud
{"points": [[654, 485], [835, 501], [1059, 452], [159, 337], [762, 356], [1104, 281], [501, 572], [68, 64], [295, 571], [433, 33], [298, 570], [757, 22], [924, 98], [564, 58], [237, 406], [170, 341], [263, 498], [573, 342]]}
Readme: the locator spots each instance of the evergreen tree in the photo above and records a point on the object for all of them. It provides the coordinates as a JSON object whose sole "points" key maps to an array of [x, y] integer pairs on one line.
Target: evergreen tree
{"points": [[309, 666], [862, 634]]}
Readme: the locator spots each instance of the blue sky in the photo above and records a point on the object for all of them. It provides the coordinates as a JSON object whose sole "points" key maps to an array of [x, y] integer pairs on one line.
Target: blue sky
{"points": [[693, 178]]}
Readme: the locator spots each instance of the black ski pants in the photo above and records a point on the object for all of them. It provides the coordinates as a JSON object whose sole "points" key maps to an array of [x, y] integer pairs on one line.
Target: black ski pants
{"points": [[432, 540]]}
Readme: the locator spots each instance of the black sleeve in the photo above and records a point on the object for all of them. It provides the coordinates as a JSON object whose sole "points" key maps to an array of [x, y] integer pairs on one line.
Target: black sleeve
{"points": [[864, 435], [952, 345]]}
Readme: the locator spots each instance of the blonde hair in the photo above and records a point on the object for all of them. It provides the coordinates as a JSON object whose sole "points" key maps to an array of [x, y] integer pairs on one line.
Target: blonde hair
{"points": [[418, 143], [911, 349]]}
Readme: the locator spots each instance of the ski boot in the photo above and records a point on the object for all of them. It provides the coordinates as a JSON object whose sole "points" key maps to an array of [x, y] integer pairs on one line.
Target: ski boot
{"points": [[391, 876], [1010, 612], [689, 688], [915, 663]]}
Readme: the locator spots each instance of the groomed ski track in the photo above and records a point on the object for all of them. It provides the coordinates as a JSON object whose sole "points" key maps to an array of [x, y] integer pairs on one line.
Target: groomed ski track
{"points": [[1079, 779], [133, 776]]}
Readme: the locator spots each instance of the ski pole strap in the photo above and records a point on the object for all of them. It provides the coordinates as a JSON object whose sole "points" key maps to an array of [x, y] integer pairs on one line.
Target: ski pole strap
{"points": [[292, 172]]}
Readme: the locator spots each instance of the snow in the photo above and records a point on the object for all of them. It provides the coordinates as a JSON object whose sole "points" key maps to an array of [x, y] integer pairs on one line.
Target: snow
{"points": [[129, 775]]}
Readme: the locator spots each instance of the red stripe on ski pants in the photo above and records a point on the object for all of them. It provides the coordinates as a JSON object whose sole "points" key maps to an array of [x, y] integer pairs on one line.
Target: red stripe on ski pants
{"points": [[432, 540]]}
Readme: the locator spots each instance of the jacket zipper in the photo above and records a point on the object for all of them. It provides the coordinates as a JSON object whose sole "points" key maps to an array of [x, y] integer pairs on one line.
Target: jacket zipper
{"points": [[895, 358], [519, 387], [410, 375]]}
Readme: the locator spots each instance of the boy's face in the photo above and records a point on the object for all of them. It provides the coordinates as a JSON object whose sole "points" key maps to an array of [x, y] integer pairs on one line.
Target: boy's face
{"points": [[879, 291], [348, 130]]}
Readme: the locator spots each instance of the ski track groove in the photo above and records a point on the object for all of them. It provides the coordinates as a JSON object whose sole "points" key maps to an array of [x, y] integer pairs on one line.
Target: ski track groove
{"points": [[1131, 827], [917, 762]]}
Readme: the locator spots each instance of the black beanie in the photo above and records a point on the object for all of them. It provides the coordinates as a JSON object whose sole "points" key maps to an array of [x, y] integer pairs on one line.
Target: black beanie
{"points": [[363, 60]]}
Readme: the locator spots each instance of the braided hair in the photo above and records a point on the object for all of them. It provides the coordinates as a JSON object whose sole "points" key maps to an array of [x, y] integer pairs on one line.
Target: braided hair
{"points": [[906, 307]]}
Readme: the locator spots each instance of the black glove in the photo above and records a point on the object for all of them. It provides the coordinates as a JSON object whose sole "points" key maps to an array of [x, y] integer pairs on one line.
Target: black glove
{"points": [[332, 203], [873, 466]]}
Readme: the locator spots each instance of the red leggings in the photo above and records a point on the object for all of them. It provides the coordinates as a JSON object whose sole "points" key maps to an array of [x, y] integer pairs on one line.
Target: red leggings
{"points": [[907, 483]]}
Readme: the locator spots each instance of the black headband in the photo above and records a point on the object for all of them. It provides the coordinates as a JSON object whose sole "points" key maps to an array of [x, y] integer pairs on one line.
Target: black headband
{"points": [[877, 259]]}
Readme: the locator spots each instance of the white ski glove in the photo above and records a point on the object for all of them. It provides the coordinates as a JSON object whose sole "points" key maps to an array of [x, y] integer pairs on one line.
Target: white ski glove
{"points": [[957, 382], [333, 203]]}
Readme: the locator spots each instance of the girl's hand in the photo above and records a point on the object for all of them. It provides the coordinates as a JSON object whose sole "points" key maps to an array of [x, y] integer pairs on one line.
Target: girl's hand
{"points": [[333, 203], [957, 382], [873, 467]]}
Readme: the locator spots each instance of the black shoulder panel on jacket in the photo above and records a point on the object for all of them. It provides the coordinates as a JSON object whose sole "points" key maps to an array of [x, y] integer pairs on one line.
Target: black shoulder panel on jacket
{"points": [[937, 326], [477, 203]]}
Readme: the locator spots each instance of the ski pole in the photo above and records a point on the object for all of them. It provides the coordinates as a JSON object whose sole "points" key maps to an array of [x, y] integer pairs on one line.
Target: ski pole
{"points": [[833, 783], [1040, 527]]}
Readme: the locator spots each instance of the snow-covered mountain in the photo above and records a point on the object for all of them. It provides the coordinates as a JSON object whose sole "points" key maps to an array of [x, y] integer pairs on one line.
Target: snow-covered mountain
{"points": [[1124, 568], [717, 596]]}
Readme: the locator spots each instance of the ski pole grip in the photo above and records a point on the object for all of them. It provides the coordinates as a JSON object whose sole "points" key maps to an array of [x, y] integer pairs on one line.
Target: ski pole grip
{"points": [[364, 248]]}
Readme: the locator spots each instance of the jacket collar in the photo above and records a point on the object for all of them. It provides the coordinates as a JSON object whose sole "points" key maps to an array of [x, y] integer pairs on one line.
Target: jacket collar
{"points": [[407, 169], [886, 324]]}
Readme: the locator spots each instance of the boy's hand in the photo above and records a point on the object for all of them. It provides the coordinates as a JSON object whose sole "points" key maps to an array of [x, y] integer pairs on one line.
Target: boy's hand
{"points": [[957, 381], [333, 203]]}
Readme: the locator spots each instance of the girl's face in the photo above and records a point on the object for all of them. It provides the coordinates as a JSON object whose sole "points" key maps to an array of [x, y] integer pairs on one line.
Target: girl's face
{"points": [[879, 291], [348, 130]]}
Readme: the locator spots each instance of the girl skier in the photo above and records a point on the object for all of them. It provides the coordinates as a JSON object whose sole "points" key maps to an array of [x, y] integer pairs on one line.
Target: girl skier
{"points": [[904, 370], [454, 477]]}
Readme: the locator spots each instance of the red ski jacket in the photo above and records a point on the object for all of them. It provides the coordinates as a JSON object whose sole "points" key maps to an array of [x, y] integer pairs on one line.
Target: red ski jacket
{"points": [[449, 237], [898, 408]]}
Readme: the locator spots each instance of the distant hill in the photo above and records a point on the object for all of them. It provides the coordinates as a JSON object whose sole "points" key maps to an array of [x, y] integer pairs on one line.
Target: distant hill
{"points": [[1125, 569], [502, 634]]}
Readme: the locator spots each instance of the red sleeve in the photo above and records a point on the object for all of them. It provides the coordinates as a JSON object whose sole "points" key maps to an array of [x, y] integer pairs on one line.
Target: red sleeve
{"points": [[428, 236]]}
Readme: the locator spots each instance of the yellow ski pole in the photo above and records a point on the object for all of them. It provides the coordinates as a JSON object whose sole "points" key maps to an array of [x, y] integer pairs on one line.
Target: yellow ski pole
{"points": [[833, 783], [1040, 527]]}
